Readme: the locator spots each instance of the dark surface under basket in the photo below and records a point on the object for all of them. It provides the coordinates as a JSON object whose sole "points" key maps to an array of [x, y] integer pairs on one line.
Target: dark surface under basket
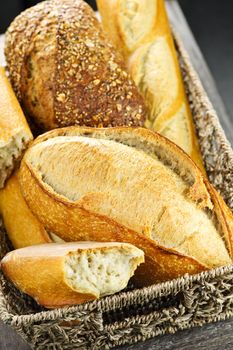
{"points": [[137, 315]]}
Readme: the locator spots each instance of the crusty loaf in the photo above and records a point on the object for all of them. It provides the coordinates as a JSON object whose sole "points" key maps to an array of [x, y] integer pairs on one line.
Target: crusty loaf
{"points": [[58, 275], [22, 226], [129, 185], [140, 30], [65, 72], [14, 131]]}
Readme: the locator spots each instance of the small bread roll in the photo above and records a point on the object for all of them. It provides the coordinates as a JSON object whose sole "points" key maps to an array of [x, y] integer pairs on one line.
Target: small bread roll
{"points": [[65, 72], [15, 133], [57, 275]]}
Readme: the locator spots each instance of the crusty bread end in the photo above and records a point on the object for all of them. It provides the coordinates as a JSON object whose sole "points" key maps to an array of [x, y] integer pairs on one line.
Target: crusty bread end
{"points": [[15, 133], [57, 275]]}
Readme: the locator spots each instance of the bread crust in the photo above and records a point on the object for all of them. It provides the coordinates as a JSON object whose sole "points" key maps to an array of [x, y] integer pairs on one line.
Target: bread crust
{"points": [[197, 192], [39, 271], [22, 226], [112, 21], [153, 65], [65, 72], [224, 215], [15, 134], [71, 221]]}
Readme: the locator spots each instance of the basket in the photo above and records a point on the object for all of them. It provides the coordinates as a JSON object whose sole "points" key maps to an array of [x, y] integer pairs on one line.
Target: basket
{"points": [[138, 314]]}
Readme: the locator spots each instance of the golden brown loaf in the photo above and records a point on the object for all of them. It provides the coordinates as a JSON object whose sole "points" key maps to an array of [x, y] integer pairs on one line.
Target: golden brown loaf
{"points": [[14, 131], [57, 275], [140, 30], [23, 228], [21, 225], [130, 185], [65, 72]]}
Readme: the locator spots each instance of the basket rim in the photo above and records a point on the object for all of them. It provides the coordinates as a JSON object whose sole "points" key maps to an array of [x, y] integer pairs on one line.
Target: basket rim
{"points": [[114, 302], [225, 143]]}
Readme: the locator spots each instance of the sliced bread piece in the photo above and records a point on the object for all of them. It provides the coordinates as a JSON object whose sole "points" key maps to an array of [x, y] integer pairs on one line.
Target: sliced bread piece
{"points": [[57, 275]]}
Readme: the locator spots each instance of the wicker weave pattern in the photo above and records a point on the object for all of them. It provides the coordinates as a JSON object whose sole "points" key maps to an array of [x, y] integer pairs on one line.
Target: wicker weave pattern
{"points": [[137, 315], [215, 148]]}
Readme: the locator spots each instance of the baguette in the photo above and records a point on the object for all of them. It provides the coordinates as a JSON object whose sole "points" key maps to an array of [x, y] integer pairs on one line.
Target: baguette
{"points": [[65, 72], [141, 31], [21, 225], [15, 134], [130, 185], [58, 275]]}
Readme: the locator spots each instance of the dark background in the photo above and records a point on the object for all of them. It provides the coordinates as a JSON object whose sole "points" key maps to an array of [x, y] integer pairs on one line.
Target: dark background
{"points": [[211, 22]]}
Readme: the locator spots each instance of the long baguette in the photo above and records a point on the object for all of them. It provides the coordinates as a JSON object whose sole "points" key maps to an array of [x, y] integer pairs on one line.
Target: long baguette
{"points": [[141, 31], [22, 227]]}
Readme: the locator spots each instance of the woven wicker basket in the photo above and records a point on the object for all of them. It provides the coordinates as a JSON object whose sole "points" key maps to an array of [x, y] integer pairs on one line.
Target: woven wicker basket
{"points": [[137, 315]]}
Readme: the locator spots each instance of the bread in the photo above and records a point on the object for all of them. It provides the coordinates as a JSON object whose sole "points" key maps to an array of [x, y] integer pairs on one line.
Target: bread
{"points": [[14, 131], [57, 275], [65, 72], [140, 30], [130, 185], [22, 226]]}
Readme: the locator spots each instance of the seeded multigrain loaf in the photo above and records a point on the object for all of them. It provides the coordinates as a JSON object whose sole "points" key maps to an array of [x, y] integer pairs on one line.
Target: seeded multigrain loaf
{"points": [[130, 185], [57, 275], [15, 133], [141, 31], [65, 72]]}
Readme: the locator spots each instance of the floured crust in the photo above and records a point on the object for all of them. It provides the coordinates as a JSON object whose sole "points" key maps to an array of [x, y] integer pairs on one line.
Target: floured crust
{"points": [[40, 271], [65, 72], [141, 31], [118, 16], [140, 136], [73, 221]]}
